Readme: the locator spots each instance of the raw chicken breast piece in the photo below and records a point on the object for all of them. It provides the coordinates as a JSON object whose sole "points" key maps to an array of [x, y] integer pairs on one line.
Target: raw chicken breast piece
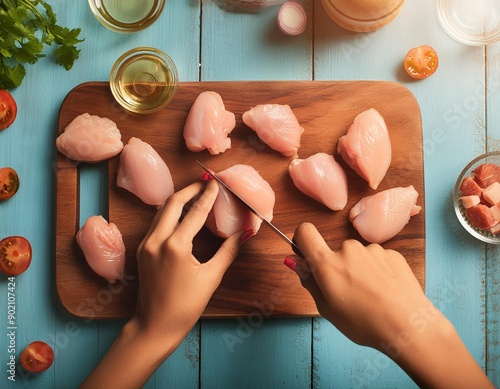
{"points": [[228, 214], [382, 216], [103, 248], [90, 138], [208, 124], [367, 147], [277, 126], [322, 178], [143, 172]]}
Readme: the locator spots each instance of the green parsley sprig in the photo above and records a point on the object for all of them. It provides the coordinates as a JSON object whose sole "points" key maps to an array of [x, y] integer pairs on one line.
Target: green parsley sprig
{"points": [[26, 27]]}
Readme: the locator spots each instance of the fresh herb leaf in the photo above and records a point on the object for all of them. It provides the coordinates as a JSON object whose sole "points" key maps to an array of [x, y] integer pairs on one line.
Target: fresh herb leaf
{"points": [[26, 27]]}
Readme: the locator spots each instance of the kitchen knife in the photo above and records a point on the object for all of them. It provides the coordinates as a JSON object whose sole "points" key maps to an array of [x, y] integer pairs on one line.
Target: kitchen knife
{"points": [[295, 248]]}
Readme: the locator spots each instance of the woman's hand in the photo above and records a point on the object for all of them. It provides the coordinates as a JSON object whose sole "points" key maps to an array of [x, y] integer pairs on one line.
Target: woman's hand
{"points": [[368, 293], [174, 289], [371, 295]]}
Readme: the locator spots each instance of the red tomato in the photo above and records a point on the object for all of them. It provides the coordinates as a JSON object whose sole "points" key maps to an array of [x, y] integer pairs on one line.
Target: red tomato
{"points": [[37, 357], [421, 62], [9, 183], [15, 255], [8, 109]]}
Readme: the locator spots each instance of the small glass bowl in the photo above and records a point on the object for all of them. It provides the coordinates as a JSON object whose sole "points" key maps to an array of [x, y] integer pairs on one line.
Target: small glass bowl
{"points": [[144, 80], [483, 235], [126, 16], [471, 22]]}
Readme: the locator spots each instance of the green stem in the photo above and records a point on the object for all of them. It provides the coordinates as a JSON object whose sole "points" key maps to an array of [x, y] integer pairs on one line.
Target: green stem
{"points": [[59, 39]]}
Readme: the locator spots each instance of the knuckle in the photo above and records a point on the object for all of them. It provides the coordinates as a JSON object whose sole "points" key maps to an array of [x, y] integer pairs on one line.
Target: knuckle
{"points": [[173, 246], [147, 248]]}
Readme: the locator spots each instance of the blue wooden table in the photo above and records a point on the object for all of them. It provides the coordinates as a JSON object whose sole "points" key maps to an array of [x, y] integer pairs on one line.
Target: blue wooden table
{"points": [[461, 119]]}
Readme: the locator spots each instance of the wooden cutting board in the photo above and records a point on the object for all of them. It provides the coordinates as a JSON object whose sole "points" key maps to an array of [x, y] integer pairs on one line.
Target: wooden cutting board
{"points": [[257, 283]]}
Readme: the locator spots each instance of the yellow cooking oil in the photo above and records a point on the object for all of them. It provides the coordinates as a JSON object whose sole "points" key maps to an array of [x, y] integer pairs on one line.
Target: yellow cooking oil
{"points": [[127, 15], [144, 80]]}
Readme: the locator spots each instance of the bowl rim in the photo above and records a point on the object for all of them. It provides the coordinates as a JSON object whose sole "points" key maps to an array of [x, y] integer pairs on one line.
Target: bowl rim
{"points": [[482, 235], [138, 51], [468, 39], [127, 28]]}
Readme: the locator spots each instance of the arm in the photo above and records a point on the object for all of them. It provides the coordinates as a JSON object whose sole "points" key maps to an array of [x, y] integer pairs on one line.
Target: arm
{"points": [[174, 290], [371, 295]]}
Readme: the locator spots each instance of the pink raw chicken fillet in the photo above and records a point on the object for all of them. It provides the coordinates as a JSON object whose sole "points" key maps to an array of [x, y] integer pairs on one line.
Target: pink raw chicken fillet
{"points": [[382, 216], [208, 124], [322, 178], [90, 138], [228, 214], [103, 248], [277, 126], [143, 172], [367, 147]]}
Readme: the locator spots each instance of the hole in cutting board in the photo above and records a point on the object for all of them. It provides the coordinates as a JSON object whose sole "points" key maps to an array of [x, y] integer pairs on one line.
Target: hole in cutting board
{"points": [[93, 186]]}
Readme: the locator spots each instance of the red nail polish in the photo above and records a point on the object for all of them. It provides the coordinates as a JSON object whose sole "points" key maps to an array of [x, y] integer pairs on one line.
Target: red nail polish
{"points": [[290, 263], [207, 176], [247, 235]]}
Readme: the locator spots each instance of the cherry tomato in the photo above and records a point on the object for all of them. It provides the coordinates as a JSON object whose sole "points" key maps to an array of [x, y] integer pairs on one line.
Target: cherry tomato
{"points": [[37, 357], [9, 183], [15, 255], [8, 109], [421, 62]]}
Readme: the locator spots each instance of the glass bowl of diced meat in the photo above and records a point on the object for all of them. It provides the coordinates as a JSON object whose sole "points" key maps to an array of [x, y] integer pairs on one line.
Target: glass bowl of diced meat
{"points": [[477, 197]]}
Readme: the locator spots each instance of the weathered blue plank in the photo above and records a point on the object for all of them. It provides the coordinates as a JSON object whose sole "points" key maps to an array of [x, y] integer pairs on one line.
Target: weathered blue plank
{"points": [[277, 353], [455, 263], [254, 352], [493, 252]]}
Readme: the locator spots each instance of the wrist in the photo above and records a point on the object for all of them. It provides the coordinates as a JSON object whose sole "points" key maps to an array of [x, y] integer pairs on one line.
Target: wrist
{"points": [[433, 355], [161, 343]]}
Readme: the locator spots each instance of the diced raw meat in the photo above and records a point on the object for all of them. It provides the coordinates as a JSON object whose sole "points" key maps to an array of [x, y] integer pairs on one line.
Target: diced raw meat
{"points": [[277, 126], [470, 201], [495, 211], [480, 216], [491, 194], [143, 172], [208, 124], [382, 216], [103, 247], [470, 187], [322, 178], [367, 147], [495, 229], [90, 138], [228, 214], [486, 174]]}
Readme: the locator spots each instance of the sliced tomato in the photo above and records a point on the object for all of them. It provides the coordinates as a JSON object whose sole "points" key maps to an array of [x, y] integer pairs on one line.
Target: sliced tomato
{"points": [[37, 357], [15, 255], [421, 62], [8, 109], [9, 183]]}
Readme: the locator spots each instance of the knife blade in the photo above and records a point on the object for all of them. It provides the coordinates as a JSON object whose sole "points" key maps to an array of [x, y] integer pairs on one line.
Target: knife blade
{"points": [[295, 248]]}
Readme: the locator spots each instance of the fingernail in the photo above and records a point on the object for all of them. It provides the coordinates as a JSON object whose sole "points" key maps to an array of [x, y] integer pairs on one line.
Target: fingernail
{"points": [[247, 235], [290, 263], [207, 176]]}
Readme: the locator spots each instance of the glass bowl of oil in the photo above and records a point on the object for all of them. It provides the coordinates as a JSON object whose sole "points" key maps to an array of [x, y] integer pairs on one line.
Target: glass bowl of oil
{"points": [[126, 16], [144, 80]]}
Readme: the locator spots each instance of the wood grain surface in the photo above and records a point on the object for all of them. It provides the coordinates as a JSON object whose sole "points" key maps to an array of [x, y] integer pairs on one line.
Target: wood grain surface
{"points": [[257, 282]]}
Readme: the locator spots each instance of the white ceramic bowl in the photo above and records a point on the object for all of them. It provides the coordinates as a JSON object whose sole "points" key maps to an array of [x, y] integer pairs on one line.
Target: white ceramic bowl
{"points": [[483, 235]]}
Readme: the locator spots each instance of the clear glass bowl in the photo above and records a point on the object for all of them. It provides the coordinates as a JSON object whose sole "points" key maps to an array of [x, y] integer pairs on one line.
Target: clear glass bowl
{"points": [[126, 16], [483, 235], [472, 22], [144, 80]]}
